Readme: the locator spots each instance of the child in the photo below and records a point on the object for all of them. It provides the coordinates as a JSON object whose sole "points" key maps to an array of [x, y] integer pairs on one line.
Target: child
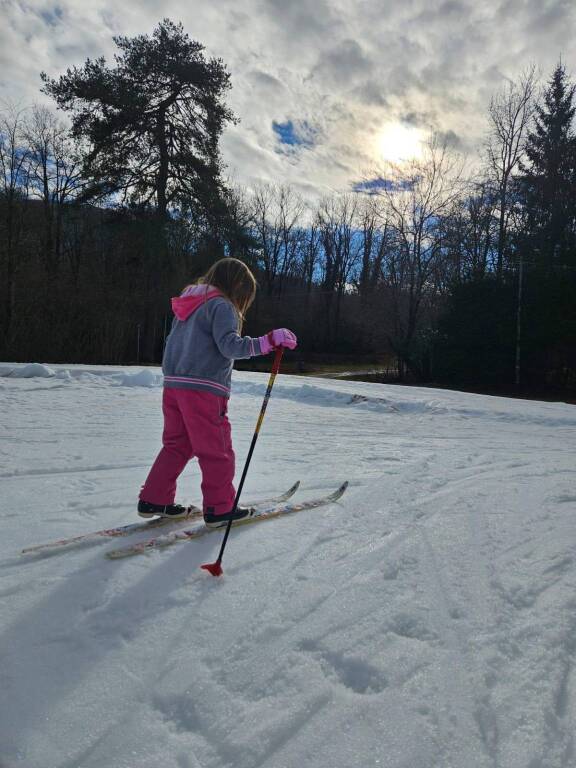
{"points": [[197, 366]]}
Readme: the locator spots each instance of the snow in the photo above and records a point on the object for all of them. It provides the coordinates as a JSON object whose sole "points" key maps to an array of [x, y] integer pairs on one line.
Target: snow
{"points": [[428, 620], [144, 378], [30, 371]]}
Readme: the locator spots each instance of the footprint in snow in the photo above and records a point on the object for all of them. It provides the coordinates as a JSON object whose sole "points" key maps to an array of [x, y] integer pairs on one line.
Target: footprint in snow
{"points": [[349, 671]]}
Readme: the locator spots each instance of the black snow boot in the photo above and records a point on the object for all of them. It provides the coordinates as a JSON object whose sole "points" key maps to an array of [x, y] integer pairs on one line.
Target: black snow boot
{"points": [[175, 511], [217, 521]]}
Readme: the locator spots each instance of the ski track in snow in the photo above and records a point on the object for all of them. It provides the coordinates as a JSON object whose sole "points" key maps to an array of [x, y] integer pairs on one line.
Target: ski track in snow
{"points": [[428, 620]]}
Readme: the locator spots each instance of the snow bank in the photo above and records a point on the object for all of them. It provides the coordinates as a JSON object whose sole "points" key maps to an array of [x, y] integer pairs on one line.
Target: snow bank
{"points": [[144, 378], [30, 371], [326, 397]]}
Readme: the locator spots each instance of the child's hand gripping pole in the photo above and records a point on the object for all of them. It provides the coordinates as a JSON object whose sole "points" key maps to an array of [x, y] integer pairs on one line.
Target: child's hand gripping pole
{"points": [[216, 568]]}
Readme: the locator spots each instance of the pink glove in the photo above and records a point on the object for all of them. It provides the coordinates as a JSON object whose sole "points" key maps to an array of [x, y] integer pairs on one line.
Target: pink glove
{"points": [[281, 337]]}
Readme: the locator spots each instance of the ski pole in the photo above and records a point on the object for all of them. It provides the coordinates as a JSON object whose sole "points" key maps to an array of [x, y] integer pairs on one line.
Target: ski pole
{"points": [[216, 568]]}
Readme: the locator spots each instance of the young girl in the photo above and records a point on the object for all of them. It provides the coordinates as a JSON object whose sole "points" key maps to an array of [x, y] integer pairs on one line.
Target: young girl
{"points": [[198, 359]]}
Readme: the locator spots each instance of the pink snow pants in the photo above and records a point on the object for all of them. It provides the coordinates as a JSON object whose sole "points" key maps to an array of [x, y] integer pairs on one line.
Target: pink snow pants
{"points": [[195, 425]]}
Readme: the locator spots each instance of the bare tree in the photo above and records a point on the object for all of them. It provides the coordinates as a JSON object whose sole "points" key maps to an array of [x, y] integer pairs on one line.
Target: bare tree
{"points": [[239, 221], [276, 213], [376, 240], [54, 176], [416, 197], [309, 253], [470, 235], [510, 113], [14, 191], [337, 221]]}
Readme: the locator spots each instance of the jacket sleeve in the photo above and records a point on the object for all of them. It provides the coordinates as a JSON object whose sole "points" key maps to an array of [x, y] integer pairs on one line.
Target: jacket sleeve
{"points": [[225, 333]]}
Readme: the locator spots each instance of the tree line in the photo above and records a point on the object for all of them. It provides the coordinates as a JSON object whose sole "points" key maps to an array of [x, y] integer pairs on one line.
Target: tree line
{"points": [[462, 276]]}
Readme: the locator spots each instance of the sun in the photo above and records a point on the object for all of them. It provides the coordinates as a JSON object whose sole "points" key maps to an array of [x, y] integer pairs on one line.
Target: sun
{"points": [[397, 142]]}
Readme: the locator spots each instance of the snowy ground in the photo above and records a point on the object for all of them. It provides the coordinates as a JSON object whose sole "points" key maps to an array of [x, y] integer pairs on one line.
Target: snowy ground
{"points": [[426, 621]]}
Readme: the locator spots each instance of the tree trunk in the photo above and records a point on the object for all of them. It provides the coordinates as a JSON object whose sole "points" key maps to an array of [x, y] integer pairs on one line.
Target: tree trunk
{"points": [[162, 178]]}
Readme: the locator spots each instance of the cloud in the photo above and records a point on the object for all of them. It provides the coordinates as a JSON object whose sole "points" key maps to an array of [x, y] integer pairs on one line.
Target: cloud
{"points": [[380, 184], [308, 20], [451, 139], [52, 16], [344, 63], [345, 67], [372, 93]]}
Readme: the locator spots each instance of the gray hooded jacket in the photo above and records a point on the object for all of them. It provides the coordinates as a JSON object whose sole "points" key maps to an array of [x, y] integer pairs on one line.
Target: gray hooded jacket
{"points": [[204, 342]]}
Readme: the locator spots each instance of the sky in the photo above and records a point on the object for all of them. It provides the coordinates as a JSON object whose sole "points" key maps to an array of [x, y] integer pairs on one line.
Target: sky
{"points": [[326, 90]]}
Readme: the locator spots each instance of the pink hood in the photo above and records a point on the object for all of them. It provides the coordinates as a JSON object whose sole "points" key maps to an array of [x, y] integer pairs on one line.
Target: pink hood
{"points": [[192, 298]]}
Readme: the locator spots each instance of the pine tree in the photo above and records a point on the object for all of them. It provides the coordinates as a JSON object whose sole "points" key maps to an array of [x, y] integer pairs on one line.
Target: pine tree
{"points": [[548, 183], [548, 239], [151, 123]]}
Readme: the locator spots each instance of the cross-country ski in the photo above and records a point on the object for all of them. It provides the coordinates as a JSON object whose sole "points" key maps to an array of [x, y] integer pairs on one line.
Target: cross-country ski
{"points": [[189, 534], [132, 528]]}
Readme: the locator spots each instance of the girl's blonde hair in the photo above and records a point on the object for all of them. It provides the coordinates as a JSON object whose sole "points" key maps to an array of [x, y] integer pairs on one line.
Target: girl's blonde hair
{"points": [[235, 280]]}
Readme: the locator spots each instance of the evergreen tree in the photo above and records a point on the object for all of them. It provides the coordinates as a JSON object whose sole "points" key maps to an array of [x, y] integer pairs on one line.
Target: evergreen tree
{"points": [[151, 123], [474, 346], [548, 238], [548, 183]]}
